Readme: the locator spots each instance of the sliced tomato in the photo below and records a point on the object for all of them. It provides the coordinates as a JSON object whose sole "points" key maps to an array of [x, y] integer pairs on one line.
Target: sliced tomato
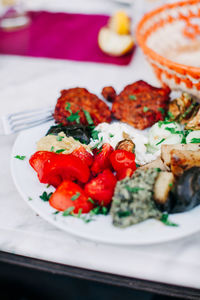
{"points": [[53, 168], [102, 159], [102, 187], [70, 195], [122, 159], [84, 155]]}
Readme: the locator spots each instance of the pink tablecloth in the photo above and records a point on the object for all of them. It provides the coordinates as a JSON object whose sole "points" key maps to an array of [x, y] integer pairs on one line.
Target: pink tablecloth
{"points": [[60, 35]]}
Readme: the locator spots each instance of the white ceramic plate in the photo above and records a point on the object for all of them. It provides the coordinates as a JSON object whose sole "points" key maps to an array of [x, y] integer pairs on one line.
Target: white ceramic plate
{"points": [[101, 229]]}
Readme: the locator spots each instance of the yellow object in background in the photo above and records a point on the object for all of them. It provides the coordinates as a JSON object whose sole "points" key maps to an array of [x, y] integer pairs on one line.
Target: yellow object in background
{"points": [[120, 23]]}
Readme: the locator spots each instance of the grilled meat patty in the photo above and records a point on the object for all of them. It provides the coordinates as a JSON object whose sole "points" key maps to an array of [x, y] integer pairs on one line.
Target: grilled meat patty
{"points": [[141, 105], [74, 105]]}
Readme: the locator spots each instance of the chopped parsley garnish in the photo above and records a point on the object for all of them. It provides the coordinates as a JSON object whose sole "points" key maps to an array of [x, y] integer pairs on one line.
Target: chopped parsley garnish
{"points": [[170, 184], [195, 141], [74, 117], [132, 97], [98, 144], [161, 110], [45, 197], [67, 107], [60, 150], [164, 220], [150, 149], [123, 214], [79, 212], [59, 138], [134, 189], [29, 198], [56, 212], [48, 185], [145, 109], [173, 130], [20, 157], [160, 123], [52, 148], [99, 210], [88, 117], [76, 196], [91, 200], [95, 134], [68, 211], [99, 151], [169, 116], [160, 142], [137, 166], [111, 135]]}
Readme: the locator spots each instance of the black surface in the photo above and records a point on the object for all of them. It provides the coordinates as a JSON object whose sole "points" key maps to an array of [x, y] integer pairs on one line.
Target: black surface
{"points": [[37, 279]]}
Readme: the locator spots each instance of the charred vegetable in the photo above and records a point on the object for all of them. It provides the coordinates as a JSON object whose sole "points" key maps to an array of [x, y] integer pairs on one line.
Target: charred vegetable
{"points": [[127, 145], [79, 132], [162, 187], [186, 193]]}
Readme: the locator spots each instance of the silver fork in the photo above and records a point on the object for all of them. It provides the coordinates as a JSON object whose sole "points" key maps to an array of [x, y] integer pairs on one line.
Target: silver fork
{"points": [[15, 122]]}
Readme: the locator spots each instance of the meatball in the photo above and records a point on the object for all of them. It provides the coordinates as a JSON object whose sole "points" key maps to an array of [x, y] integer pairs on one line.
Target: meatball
{"points": [[141, 105], [77, 105], [109, 93]]}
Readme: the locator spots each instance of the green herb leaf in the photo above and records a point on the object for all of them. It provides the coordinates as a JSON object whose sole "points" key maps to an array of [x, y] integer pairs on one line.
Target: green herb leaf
{"points": [[173, 130], [95, 134], [132, 97], [145, 109], [56, 212], [169, 116], [52, 148], [74, 117], [76, 196], [123, 214], [195, 141], [160, 142], [170, 184], [133, 189], [20, 157], [98, 144], [48, 185], [68, 211], [161, 110], [137, 166], [104, 210], [45, 197], [150, 149], [88, 117], [164, 220], [59, 138], [60, 150], [90, 200], [67, 107], [29, 198], [79, 212], [111, 135]]}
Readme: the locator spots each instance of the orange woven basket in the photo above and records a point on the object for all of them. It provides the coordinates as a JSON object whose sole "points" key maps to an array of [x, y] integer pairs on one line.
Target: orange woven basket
{"points": [[166, 32]]}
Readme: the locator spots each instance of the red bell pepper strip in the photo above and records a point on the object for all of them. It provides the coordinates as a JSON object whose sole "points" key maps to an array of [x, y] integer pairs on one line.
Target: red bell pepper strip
{"points": [[84, 155], [70, 195], [102, 159], [122, 159], [102, 187], [53, 168]]}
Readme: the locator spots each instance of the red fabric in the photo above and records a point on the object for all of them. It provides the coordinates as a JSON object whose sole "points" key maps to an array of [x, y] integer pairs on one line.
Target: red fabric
{"points": [[60, 35]]}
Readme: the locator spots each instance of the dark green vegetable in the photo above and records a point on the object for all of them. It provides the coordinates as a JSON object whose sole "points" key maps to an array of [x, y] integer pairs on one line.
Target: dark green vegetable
{"points": [[79, 132], [186, 192]]}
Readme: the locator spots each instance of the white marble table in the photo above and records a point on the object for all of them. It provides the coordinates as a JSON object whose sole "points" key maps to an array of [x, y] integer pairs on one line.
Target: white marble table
{"points": [[32, 83]]}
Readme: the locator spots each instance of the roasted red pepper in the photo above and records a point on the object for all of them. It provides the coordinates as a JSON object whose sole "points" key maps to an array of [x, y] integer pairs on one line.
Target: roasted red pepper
{"points": [[69, 195], [122, 159], [102, 159], [102, 187], [53, 168], [128, 172], [84, 155]]}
